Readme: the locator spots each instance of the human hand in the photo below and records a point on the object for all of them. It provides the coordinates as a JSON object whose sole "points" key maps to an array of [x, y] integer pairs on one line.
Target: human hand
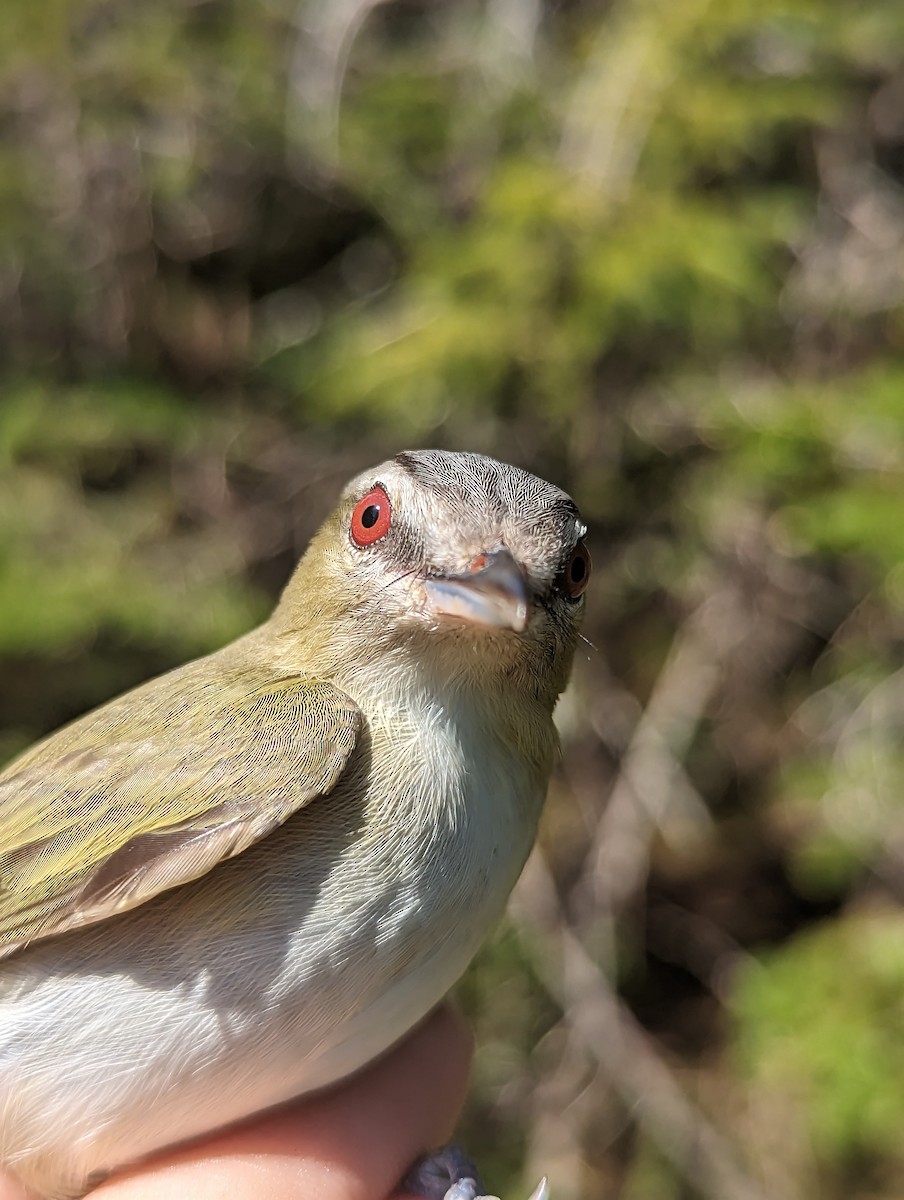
{"points": [[354, 1142]]}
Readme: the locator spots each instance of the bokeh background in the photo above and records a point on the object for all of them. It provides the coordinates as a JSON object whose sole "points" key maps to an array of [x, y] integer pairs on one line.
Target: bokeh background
{"points": [[650, 249]]}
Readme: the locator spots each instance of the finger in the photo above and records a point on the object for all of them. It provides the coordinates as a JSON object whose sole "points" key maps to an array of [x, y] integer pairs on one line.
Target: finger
{"points": [[352, 1143]]}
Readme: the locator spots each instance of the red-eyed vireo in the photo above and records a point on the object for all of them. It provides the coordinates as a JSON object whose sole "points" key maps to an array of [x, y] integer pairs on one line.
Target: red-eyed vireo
{"points": [[246, 879]]}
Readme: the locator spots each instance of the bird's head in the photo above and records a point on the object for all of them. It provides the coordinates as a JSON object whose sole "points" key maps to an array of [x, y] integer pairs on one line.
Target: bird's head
{"points": [[471, 568]]}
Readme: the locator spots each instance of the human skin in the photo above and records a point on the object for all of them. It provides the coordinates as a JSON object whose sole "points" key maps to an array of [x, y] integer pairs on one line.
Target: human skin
{"points": [[354, 1142]]}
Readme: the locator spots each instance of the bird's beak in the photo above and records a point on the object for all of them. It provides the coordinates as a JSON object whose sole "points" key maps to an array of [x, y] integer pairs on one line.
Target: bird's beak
{"points": [[493, 593]]}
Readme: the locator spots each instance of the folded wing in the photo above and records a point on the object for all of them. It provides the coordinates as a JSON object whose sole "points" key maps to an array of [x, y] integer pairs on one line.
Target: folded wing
{"points": [[157, 787]]}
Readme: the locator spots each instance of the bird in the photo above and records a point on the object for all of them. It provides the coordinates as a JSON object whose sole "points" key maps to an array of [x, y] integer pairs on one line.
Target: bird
{"points": [[245, 879]]}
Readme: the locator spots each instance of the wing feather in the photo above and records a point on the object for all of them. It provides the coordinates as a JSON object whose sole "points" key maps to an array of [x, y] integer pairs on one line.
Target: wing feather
{"points": [[157, 787]]}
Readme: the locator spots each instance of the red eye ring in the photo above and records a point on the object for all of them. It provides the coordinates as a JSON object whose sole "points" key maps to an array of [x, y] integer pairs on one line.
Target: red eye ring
{"points": [[576, 573], [371, 517]]}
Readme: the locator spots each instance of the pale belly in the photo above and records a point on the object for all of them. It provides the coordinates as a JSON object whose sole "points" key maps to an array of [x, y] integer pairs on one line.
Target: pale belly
{"points": [[277, 974]]}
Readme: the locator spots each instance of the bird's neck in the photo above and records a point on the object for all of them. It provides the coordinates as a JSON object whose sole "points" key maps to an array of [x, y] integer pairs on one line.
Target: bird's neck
{"points": [[405, 681]]}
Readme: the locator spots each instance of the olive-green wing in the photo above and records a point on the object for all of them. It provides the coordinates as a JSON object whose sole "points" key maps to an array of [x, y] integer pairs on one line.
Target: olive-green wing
{"points": [[157, 787]]}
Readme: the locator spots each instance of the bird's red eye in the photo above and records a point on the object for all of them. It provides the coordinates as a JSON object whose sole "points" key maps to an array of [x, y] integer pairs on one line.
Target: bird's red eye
{"points": [[576, 574], [371, 518]]}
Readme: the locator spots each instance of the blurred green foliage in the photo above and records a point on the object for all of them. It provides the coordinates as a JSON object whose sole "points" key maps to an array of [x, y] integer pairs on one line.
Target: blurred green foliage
{"points": [[651, 249], [821, 1032]]}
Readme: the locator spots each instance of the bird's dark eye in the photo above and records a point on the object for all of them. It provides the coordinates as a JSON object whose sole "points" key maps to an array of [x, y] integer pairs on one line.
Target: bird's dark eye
{"points": [[576, 574], [371, 518]]}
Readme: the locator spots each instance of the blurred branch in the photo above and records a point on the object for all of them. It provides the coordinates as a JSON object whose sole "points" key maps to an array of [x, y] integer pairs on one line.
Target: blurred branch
{"points": [[616, 1041], [652, 779], [498, 49], [618, 96], [565, 1114], [509, 36], [325, 35]]}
